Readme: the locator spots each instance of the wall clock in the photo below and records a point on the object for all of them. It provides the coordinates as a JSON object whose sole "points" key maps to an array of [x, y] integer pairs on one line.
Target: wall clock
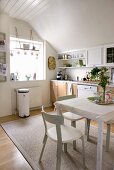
{"points": [[51, 63]]}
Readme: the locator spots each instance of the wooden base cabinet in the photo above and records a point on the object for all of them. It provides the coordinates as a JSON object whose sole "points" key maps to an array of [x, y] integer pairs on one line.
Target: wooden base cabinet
{"points": [[57, 89], [111, 90], [108, 89], [74, 89], [53, 91], [60, 88]]}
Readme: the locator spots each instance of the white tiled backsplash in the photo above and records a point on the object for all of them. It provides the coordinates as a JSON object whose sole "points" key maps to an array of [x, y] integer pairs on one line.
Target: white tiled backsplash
{"points": [[81, 73]]}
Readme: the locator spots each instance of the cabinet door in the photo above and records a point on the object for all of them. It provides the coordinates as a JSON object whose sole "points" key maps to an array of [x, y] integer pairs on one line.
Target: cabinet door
{"points": [[57, 89], [107, 89], [112, 91], [94, 56], [53, 91], [109, 55], [99, 89], [74, 89], [62, 89]]}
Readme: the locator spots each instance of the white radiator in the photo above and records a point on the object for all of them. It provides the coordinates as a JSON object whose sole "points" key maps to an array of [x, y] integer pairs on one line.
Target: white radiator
{"points": [[35, 94]]}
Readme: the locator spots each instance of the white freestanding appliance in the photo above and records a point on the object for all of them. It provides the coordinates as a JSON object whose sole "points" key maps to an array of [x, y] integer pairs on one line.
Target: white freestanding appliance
{"points": [[23, 102], [86, 90]]}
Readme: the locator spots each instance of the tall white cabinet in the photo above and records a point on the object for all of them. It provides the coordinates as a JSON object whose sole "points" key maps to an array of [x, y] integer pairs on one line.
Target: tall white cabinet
{"points": [[94, 56]]}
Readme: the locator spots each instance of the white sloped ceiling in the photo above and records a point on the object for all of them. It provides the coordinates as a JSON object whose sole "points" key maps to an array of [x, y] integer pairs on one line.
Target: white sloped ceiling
{"points": [[24, 9], [67, 24]]}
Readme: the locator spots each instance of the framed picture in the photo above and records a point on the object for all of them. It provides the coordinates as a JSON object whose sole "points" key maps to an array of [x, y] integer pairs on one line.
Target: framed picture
{"points": [[51, 63], [3, 69]]}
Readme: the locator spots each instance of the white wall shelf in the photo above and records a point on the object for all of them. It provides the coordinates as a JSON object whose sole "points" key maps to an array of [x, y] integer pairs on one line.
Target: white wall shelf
{"points": [[73, 67], [24, 49], [75, 58]]}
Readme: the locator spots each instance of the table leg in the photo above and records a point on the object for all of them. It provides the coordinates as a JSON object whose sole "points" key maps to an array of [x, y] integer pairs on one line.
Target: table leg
{"points": [[87, 127], [99, 145], [108, 137]]}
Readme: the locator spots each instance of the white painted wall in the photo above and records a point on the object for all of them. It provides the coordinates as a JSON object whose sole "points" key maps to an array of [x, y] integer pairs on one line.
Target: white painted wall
{"points": [[7, 97], [5, 92], [23, 29], [76, 24], [50, 74]]}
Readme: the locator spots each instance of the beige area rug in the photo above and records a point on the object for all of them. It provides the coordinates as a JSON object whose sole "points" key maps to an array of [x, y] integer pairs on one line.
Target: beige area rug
{"points": [[27, 134]]}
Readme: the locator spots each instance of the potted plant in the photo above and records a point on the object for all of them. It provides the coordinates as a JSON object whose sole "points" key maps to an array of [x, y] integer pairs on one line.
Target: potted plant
{"points": [[94, 73], [103, 80]]}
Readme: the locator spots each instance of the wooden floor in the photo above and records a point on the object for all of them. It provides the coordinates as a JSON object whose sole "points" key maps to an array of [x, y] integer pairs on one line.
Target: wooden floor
{"points": [[10, 157]]}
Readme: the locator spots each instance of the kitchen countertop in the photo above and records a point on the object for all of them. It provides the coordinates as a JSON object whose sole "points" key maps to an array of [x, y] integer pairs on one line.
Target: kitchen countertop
{"points": [[79, 82], [95, 83]]}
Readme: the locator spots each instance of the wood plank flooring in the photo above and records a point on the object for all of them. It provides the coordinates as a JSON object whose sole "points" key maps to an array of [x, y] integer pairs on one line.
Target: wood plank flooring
{"points": [[10, 157]]}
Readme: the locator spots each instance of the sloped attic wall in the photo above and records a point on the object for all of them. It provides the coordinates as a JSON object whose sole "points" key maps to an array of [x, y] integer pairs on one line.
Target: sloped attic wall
{"points": [[76, 24]]}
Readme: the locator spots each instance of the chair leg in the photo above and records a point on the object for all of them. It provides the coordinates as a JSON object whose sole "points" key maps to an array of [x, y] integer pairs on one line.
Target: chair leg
{"points": [[87, 128], [44, 143], [59, 151], [108, 137], [65, 147], [83, 151], [73, 123], [54, 108]]}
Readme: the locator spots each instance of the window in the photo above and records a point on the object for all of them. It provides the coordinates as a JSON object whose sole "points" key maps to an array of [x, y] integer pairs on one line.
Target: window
{"points": [[26, 60]]}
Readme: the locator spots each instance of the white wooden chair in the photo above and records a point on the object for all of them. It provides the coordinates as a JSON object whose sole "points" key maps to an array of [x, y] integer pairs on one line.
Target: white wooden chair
{"points": [[70, 116], [61, 134], [108, 134]]}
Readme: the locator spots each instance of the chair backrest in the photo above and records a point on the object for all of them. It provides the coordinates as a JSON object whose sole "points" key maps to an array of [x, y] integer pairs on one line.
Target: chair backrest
{"points": [[54, 119], [58, 120], [66, 97]]}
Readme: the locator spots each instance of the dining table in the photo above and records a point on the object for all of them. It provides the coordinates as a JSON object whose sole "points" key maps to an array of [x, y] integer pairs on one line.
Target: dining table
{"points": [[91, 110]]}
